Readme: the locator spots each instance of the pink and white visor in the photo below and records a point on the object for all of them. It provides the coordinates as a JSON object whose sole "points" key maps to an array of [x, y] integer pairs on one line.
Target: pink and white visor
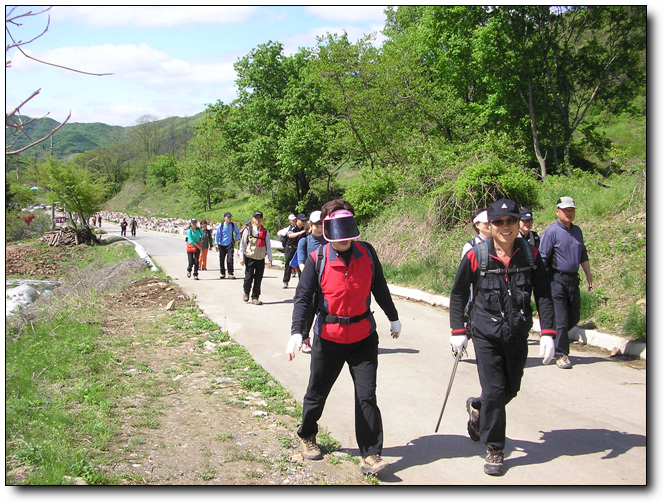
{"points": [[340, 226]]}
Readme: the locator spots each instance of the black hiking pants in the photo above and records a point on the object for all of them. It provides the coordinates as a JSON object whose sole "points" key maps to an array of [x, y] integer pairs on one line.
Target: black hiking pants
{"points": [[327, 361], [565, 290], [501, 366], [253, 272], [287, 273], [227, 255], [193, 262]]}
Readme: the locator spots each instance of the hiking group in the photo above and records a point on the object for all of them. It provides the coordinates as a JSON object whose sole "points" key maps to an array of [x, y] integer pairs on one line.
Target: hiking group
{"points": [[503, 270]]}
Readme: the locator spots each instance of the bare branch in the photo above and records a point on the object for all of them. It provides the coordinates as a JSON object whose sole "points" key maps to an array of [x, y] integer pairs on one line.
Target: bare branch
{"points": [[16, 152]]}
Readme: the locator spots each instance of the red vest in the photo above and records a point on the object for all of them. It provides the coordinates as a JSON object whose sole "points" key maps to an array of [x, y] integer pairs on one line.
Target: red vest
{"points": [[347, 293]]}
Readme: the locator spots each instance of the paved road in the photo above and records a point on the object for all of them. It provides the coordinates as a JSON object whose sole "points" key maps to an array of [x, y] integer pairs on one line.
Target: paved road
{"points": [[585, 426]]}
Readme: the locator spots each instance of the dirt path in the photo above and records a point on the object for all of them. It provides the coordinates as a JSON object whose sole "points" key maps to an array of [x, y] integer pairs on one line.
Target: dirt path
{"points": [[189, 423]]}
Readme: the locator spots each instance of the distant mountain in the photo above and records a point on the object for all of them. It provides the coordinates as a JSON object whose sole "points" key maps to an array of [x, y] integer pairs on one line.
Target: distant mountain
{"points": [[73, 138]]}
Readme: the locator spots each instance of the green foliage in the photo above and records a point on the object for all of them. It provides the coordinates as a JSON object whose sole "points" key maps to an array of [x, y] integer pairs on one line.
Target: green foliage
{"points": [[163, 170], [635, 325], [370, 195], [17, 229], [480, 184], [72, 186]]}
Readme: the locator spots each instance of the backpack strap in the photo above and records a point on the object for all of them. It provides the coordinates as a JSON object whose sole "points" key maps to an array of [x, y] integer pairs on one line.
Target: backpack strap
{"points": [[481, 251], [320, 263]]}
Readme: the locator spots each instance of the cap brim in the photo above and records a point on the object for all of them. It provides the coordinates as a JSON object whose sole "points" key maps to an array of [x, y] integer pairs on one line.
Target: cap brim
{"points": [[340, 229]]}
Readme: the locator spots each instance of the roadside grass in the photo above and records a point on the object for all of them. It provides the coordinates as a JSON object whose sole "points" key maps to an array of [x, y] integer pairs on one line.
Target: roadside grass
{"points": [[236, 360], [61, 385]]}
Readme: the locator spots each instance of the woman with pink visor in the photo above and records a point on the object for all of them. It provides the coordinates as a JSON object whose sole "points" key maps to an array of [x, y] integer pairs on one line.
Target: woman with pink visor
{"points": [[338, 281]]}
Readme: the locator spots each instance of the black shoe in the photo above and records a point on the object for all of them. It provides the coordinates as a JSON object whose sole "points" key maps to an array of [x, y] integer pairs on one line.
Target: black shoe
{"points": [[473, 422], [494, 465]]}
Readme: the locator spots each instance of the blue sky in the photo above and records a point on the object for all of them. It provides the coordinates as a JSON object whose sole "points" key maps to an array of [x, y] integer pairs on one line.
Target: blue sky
{"points": [[166, 60]]}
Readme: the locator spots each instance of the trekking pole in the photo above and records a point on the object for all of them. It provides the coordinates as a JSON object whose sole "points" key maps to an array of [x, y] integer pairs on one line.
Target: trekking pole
{"points": [[451, 381]]}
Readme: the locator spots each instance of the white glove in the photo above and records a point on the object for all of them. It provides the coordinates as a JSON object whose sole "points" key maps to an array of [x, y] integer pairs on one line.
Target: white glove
{"points": [[547, 348], [295, 342], [396, 327], [458, 343]]}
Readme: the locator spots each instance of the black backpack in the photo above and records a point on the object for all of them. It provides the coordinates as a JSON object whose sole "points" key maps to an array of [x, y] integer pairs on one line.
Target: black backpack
{"points": [[481, 252]]}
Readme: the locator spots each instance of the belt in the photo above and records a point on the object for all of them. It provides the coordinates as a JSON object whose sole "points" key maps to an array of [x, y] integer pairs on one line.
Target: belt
{"points": [[570, 274], [347, 320]]}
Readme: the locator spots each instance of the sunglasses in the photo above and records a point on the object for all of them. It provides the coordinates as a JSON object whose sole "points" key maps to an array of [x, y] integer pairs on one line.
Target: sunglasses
{"points": [[499, 223]]}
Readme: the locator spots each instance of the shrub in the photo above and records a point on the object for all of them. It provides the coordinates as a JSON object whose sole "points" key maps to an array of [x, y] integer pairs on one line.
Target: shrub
{"points": [[368, 197], [480, 184], [635, 325]]}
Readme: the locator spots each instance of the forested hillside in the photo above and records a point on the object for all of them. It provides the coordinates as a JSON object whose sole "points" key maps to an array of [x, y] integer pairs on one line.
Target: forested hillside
{"points": [[459, 106]]}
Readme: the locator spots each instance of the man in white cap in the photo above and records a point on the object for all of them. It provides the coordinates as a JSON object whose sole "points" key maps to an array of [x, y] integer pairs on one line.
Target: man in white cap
{"points": [[563, 251]]}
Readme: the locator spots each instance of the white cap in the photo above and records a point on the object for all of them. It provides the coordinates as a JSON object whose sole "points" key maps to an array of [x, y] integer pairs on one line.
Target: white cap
{"points": [[482, 217], [315, 217]]}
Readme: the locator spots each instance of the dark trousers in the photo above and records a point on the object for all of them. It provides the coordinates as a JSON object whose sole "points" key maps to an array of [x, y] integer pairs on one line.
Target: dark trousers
{"points": [[133, 231], [500, 365], [565, 290], [123, 230], [227, 254], [327, 360], [289, 253], [193, 262], [253, 272]]}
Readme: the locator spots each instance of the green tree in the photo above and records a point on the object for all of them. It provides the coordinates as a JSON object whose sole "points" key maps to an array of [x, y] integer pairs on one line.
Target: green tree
{"points": [[204, 170], [163, 169], [72, 186]]}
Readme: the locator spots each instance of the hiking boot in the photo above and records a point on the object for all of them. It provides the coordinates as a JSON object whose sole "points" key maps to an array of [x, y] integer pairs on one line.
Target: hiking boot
{"points": [[563, 362], [255, 301], [473, 423], [245, 297], [373, 464], [494, 465], [310, 449]]}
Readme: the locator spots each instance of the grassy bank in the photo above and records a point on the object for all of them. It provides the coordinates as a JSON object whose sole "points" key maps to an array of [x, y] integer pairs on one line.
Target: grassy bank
{"points": [[613, 218]]}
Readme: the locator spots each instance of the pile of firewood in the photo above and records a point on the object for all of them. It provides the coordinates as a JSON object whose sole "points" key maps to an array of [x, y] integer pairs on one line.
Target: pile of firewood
{"points": [[69, 236]]}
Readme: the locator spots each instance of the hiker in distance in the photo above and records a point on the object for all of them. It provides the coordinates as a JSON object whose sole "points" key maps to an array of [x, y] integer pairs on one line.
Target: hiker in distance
{"points": [[563, 251], [194, 237], [227, 234], [254, 247], [504, 271], [344, 272]]}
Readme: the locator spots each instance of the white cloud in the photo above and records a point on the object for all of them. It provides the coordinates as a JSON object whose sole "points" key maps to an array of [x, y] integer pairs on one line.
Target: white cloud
{"points": [[292, 44], [132, 62], [153, 16], [349, 14]]}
